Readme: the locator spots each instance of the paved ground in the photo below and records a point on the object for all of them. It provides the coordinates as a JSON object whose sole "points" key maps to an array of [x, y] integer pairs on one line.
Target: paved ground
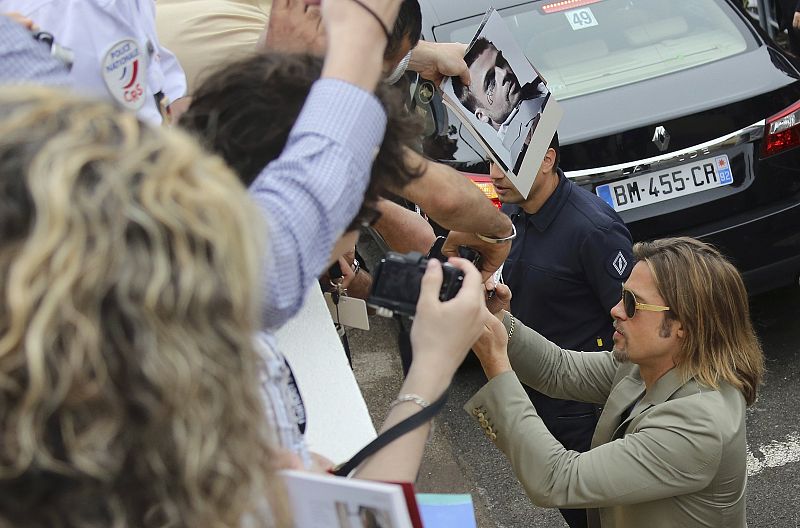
{"points": [[461, 460]]}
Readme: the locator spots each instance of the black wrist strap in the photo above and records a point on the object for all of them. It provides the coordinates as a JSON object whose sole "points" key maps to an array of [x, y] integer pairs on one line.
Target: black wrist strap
{"points": [[391, 434], [377, 18]]}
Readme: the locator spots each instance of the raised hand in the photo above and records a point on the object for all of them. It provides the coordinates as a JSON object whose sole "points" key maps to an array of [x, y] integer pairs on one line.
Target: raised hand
{"points": [[492, 255], [294, 27], [500, 300], [492, 346], [443, 332], [435, 61], [356, 38]]}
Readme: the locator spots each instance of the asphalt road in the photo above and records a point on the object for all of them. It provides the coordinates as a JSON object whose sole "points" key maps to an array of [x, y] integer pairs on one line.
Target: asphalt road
{"points": [[461, 460]]}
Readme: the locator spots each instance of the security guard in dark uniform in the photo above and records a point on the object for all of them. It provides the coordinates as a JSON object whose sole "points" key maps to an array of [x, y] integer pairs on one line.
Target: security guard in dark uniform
{"points": [[565, 268]]}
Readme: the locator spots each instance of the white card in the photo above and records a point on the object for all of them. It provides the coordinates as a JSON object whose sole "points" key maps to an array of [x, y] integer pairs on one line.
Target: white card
{"points": [[581, 18], [350, 312]]}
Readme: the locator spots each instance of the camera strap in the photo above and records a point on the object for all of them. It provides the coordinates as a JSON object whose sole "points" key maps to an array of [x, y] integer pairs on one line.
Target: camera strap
{"points": [[391, 434]]}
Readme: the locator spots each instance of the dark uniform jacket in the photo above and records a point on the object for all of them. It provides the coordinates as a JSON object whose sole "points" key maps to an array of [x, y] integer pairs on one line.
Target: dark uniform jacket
{"points": [[565, 271]]}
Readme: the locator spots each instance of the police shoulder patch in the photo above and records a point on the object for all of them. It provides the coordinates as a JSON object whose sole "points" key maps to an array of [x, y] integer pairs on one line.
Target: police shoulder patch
{"points": [[124, 71], [619, 263]]}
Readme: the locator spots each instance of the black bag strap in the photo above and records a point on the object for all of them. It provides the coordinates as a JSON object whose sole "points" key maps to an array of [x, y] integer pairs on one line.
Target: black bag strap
{"points": [[391, 434]]}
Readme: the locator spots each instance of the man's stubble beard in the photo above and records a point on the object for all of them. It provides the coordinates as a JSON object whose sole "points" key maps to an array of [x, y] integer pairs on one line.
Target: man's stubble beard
{"points": [[664, 331], [620, 356]]}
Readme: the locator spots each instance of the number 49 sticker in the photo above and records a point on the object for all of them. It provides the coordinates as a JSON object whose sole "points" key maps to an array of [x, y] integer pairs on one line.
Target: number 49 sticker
{"points": [[581, 18]]}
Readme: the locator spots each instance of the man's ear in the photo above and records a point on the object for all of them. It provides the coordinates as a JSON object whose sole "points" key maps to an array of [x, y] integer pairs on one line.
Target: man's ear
{"points": [[549, 160], [480, 113]]}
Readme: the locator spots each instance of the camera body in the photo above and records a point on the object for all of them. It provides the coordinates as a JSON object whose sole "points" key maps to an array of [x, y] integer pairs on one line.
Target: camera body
{"points": [[397, 279]]}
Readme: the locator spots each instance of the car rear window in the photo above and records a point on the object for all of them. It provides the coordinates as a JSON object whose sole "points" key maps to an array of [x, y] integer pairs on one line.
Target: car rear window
{"points": [[610, 43]]}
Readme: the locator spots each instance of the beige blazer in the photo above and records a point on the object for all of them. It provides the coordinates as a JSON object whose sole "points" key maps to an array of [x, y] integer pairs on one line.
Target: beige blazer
{"points": [[678, 460]]}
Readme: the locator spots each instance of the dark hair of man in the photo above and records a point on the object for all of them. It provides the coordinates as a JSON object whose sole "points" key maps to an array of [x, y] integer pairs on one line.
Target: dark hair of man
{"points": [[462, 92], [408, 24], [555, 146], [245, 111], [705, 292]]}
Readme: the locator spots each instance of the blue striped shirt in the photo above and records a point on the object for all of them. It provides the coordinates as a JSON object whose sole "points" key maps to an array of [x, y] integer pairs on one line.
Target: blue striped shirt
{"points": [[24, 60], [312, 192], [308, 196]]}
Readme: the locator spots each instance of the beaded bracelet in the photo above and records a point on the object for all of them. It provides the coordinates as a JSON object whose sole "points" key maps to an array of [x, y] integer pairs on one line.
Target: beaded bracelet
{"points": [[414, 398]]}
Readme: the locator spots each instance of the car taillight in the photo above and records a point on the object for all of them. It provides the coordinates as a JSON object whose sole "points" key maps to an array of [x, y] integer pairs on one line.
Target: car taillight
{"points": [[487, 189], [782, 131]]}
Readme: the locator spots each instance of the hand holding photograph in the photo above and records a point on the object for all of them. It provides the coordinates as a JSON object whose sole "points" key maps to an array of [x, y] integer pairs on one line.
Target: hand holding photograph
{"points": [[507, 105]]}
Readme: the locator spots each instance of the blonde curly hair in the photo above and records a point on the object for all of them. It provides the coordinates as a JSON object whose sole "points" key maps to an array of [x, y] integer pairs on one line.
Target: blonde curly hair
{"points": [[128, 378]]}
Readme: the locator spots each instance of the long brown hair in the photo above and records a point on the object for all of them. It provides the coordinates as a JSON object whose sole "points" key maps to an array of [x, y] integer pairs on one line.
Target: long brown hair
{"points": [[128, 389], [705, 292]]}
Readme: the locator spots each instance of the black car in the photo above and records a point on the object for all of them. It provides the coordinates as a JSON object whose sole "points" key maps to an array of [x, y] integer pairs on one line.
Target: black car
{"points": [[682, 114]]}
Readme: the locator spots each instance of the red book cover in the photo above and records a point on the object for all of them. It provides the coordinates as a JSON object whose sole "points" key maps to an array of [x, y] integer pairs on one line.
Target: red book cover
{"points": [[411, 501]]}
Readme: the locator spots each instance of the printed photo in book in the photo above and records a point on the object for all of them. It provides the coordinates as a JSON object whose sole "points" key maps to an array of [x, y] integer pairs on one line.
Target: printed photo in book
{"points": [[325, 501], [507, 104]]}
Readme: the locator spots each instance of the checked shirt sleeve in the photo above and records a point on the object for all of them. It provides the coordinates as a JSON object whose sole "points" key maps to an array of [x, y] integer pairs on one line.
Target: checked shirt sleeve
{"points": [[24, 60], [313, 190]]}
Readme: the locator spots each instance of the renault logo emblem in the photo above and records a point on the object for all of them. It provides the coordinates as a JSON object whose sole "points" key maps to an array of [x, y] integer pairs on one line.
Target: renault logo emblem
{"points": [[661, 138]]}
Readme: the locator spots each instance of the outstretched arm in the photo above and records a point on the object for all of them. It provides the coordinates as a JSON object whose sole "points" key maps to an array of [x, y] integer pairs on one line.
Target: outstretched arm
{"points": [[403, 230], [440, 338], [457, 204], [452, 199], [313, 190]]}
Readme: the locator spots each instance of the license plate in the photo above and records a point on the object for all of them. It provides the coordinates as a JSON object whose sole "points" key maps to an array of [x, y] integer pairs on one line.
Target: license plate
{"points": [[658, 186]]}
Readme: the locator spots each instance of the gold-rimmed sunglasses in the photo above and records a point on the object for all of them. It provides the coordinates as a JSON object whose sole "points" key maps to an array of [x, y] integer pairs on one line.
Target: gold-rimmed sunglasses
{"points": [[630, 304]]}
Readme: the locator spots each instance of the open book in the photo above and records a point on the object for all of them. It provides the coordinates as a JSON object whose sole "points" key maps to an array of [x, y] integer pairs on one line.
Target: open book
{"points": [[507, 105], [326, 501], [323, 501]]}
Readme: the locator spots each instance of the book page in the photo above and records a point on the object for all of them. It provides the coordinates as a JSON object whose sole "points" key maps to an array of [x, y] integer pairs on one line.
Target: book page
{"points": [[321, 501]]}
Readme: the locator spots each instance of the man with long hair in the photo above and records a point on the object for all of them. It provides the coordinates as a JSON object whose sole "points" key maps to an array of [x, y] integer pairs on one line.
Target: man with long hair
{"points": [[565, 268], [670, 448]]}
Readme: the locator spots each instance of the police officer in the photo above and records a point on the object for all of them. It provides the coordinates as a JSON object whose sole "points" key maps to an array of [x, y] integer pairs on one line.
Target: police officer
{"points": [[571, 253], [116, 50]]}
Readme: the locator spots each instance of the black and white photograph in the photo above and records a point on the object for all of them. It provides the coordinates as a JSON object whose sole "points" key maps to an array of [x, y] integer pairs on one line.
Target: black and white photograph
{"points": [[360, 516], [506, 102]]}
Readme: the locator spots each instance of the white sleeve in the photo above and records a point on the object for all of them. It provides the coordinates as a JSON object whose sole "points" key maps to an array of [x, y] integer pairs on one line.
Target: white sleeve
{"points": [[174, 77]]}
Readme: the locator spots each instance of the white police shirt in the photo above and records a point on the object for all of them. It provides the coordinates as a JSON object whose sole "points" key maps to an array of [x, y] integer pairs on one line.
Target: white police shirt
{"points": [[117, 53]]}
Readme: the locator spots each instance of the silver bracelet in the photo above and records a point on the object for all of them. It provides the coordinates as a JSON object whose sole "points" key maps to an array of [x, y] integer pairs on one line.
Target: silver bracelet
{"points": [[511, 326], [492, 240], [413, 398], [418, 400]]}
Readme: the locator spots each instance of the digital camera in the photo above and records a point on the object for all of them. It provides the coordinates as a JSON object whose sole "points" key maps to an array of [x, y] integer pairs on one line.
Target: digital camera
{"points": [[397, 279]]}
